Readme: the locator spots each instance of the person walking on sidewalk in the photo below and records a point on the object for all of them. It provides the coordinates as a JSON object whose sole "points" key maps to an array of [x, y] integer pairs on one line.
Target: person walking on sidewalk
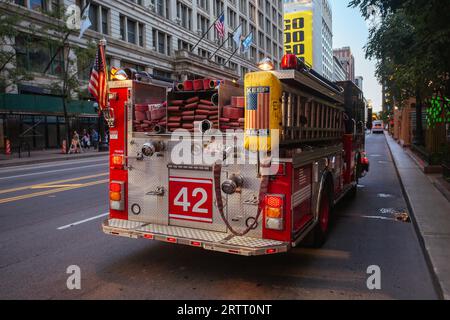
{"points": [[75, 146], [94, 137]]}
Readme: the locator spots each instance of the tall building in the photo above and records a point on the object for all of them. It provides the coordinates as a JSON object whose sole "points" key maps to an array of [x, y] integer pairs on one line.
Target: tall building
{"points": [[359, 82], [309, 33], [156, 36], [339, 73], [346, 58]]}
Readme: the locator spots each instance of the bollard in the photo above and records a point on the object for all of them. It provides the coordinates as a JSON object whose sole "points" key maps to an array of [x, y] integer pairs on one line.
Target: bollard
{"points": [[8, 147], [64, 147]]}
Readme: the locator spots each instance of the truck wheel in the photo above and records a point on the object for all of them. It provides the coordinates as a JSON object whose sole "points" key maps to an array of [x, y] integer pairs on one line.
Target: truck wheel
{"points": [[320, 232]]}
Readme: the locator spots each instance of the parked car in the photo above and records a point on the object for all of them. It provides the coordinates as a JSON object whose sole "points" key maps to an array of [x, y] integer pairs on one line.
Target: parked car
{"points": [[377, 127]]}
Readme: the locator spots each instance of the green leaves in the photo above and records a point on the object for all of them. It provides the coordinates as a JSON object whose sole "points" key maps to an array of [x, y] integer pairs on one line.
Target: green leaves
{"points": [[411, 44]]}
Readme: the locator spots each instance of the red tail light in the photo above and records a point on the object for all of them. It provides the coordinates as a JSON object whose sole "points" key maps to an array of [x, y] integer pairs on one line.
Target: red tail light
{"points": [[116, 195], [274, 201], [274, 212], [289, 62], [117, 161]]}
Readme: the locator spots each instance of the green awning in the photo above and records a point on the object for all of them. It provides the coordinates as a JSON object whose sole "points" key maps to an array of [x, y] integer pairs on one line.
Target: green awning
{"points": [[43, 104]]}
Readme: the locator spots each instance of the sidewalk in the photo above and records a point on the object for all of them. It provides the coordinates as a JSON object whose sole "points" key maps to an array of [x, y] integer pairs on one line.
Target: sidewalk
{"points": [[430, 212], [46, 156]]}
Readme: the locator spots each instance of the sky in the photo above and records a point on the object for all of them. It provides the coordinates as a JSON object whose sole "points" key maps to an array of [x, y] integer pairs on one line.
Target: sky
{"points": [[350, 29]]}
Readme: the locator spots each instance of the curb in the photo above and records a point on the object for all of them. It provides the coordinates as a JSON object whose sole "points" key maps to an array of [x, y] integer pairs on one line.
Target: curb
{"points": [[53, 159], [420, 238]]}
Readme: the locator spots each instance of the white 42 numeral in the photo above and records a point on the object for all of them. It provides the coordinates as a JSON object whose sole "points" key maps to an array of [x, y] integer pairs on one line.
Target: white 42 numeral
{"points": [[181, 200]]}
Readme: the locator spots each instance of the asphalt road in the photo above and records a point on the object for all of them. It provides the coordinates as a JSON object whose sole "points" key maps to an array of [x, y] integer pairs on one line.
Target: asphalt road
{"points": [[50, 216]]}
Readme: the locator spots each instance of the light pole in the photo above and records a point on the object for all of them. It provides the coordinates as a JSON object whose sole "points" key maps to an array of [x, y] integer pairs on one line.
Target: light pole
{"points": [[102, 145]]}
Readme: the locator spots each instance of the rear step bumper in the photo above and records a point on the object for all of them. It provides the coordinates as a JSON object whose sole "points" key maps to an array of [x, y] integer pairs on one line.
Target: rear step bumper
{"points": [[209, 240]]}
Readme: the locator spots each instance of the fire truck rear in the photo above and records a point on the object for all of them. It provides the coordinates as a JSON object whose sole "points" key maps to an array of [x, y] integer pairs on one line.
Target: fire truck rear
{"points": [[247, 170]]}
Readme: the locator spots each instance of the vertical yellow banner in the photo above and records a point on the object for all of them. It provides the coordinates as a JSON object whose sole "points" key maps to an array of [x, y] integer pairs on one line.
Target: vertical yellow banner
{"points": [[298, 35]]}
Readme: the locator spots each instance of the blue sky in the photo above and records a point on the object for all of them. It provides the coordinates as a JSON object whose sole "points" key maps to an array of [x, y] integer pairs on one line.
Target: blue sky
{"points": [[350, 29]]}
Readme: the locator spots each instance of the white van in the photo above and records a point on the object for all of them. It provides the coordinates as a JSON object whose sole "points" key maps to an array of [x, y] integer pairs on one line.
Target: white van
{"points": [[377, 126]]}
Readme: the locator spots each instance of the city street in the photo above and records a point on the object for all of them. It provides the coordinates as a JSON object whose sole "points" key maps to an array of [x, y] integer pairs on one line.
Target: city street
{"points": [[50, 217]]}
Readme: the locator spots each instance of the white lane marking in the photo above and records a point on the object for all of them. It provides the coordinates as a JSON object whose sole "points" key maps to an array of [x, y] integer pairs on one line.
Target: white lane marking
{"points": [[52, 164], [82, 221], [52, 171]]}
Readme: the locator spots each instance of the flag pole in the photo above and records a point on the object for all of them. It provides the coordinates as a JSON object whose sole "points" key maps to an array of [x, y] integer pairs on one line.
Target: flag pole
{"points": [[223, 43], [232, 55], [206, 32], [235, 51]]}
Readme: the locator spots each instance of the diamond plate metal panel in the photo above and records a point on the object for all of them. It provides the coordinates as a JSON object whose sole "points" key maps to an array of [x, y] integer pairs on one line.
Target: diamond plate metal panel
{"points": [[252, 242], [124, 224], [189, 233]]}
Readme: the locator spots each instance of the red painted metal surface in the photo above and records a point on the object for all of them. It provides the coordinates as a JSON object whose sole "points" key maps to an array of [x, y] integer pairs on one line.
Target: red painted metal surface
{"points": [[281, 185], [117, 145]]}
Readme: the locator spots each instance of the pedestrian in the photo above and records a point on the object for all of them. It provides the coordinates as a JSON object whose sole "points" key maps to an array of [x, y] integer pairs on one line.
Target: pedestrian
{"points": [[94, 137], [86, 140], [75, 146]]}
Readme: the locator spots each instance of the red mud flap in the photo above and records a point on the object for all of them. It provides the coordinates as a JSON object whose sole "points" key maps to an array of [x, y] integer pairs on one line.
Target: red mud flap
{"points": [[209, 240]]}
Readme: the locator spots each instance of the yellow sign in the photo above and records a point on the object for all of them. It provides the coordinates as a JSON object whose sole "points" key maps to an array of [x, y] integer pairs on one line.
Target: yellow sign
{"points": [[298, 35]]}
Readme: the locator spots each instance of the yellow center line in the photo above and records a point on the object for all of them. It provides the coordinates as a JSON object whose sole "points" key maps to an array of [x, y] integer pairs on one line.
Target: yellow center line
{"points": [[42, 193], [46, 186], [52, 182]]}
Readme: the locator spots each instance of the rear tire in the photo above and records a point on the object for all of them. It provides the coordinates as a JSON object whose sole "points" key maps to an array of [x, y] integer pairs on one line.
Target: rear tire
{"points": [[321, 230]]}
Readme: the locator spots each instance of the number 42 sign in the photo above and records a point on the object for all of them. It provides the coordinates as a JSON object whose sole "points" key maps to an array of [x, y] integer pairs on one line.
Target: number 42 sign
{"points": [[190, 199]]}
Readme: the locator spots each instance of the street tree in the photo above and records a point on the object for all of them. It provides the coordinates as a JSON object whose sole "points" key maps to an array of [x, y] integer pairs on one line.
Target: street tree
{"points": [[10, 73], [412, 45]]}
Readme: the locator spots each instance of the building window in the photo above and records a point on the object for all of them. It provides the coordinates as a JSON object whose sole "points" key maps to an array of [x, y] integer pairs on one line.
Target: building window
{"points": [[243, 23], [93, 17], [203, 53], [105, 15], [260, 19], [162, 74], [184, 15], [244, 70], [231, 43], [203, 4], [268, 8], [253, 54], [131, 65], [38, 5], [268, 46], [183, 45], [233, 66], [162, 42], [22, 3], [202, 25], [243, 6], [261, 39], [131, 31], [252, 12], [218, 7], [162, 8], [141, 34], [122, 28], [231, 16], [33, 54], [99, 17], [220, 60]]}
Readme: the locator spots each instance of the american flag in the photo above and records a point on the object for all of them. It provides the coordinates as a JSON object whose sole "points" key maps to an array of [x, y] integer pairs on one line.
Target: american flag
{"points": [[257, 112], [98, 81], [220, 26]]}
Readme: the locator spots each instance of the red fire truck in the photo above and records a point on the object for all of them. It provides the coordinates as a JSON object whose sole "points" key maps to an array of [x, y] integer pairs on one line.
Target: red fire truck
{"points": [[250, 200]]}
